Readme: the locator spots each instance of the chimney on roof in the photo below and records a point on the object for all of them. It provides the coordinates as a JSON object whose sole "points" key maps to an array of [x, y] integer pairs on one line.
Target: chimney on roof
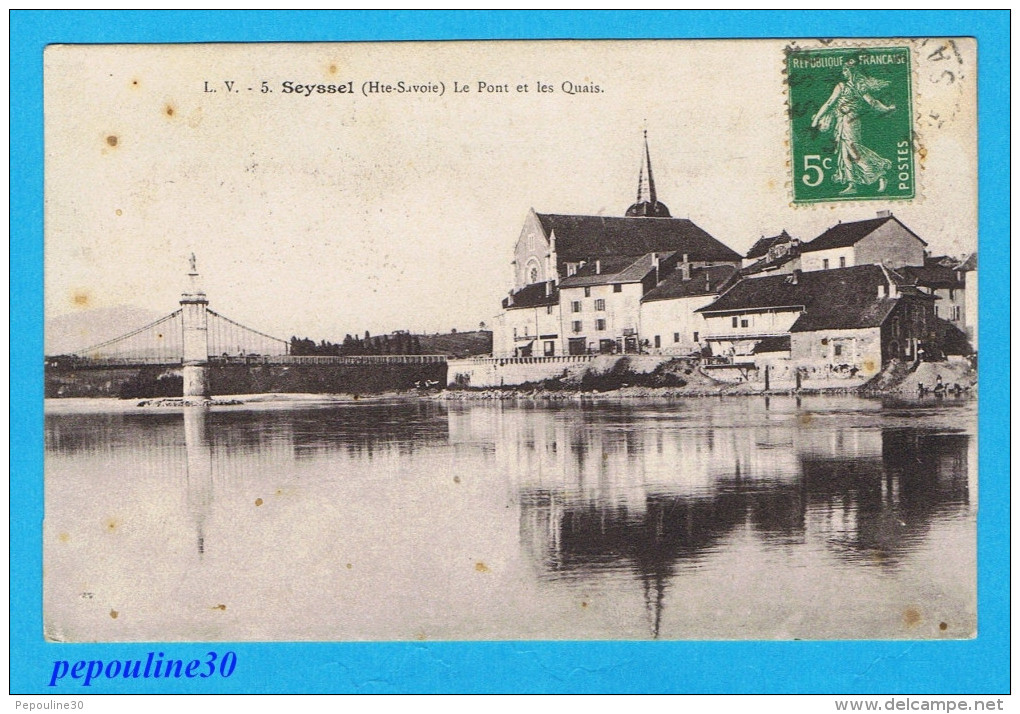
{"points": [[598, 267], [884, 214], [548, 288], [708, 283], [685, 268], [795, 276]]}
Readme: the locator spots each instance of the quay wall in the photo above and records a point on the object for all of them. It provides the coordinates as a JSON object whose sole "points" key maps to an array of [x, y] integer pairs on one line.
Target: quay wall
{"points": [[488, 372], [321, 378]]}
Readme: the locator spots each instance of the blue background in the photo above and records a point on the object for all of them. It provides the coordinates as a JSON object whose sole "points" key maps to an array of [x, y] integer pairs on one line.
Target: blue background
{"points": [[973, 666]]}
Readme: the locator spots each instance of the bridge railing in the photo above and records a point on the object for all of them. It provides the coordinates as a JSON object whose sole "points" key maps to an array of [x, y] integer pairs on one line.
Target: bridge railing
{"points": [[345, 359], [503, 361], [82, 362]]}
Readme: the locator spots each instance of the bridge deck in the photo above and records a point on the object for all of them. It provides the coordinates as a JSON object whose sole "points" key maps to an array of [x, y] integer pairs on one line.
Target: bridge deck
{"points": [[115, 362]]}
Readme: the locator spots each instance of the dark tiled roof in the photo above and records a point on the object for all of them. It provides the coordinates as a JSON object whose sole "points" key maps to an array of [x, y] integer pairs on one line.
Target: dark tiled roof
{"points": [[773, 344], [627, 269], [840, 299], [762, 245], [932, 276], [674, 286], [588, 237], [764, 264], [843, 235], [532, 296]]}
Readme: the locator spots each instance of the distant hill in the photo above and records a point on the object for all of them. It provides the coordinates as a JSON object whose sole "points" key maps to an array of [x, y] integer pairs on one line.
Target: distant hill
{"points": [[457, 344], [76, 331]]}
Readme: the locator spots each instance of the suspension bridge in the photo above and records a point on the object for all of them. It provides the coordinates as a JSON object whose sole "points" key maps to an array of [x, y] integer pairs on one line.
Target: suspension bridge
{"points": [[194, 336], [161, 342]]}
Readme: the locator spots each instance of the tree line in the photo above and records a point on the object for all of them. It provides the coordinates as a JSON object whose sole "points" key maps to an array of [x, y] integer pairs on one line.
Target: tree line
{"points": [[397, 343]]}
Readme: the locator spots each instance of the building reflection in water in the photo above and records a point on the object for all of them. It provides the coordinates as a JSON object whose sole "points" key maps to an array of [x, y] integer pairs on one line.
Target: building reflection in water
{"points": [[615, 489]]}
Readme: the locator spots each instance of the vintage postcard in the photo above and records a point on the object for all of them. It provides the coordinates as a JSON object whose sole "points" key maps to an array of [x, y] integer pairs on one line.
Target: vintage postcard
{"points": [[543, 340]]}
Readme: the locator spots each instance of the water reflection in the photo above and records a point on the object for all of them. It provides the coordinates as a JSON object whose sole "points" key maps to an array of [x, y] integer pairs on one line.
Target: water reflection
{"points": [[639, 500], [654, 496]]}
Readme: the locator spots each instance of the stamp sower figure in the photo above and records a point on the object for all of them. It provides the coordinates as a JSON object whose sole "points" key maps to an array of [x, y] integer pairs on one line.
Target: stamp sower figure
{"points": [[856, 164]]}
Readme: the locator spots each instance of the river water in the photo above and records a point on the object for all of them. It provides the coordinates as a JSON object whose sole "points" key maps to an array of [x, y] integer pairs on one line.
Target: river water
{"points": [[716, 518]]}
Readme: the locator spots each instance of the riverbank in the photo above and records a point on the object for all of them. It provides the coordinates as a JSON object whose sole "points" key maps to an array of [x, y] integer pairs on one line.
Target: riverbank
{"points": [[676, 381], [79, 405], [683, 379]]}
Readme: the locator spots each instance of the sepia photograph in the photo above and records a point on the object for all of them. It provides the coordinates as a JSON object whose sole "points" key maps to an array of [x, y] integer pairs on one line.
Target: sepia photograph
{"points": [[495, 341]]}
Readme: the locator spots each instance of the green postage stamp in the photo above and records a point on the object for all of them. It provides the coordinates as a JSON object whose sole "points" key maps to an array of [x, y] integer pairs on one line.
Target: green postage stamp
{"points": [[851, 124]]}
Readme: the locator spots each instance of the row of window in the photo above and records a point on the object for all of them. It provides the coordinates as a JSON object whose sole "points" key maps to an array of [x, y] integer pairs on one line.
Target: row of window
{"points": [[657, 340], [600, 305], [617, 288], [825, 263], [578, 326]]}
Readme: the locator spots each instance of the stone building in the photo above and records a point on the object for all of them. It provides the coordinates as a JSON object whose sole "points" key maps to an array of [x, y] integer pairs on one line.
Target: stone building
{"points": [[945, 278], [849, 321], [882, 240], [529, 325], [669, 318]]}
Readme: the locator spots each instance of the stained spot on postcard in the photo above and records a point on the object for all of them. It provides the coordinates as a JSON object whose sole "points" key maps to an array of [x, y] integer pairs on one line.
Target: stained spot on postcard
{"points": [[911, 617]]}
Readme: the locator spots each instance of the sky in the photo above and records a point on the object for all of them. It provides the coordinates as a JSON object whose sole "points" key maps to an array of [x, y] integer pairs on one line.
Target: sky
{"points": [[337, 213]]}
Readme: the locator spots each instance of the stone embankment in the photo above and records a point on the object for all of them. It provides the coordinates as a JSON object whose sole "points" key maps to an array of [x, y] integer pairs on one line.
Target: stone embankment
{"points": [[682, 378]]}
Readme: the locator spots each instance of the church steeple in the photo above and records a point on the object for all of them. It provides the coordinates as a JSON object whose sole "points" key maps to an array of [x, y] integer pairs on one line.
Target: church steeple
{"points": [[647, 205]]}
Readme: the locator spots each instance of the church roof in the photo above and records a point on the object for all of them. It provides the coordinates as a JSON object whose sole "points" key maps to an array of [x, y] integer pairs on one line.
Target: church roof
{"points": [[588, 237]]}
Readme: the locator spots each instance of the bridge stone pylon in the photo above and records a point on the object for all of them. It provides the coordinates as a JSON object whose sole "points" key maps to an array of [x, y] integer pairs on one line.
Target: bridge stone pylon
{"points": [[195, 315]]}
